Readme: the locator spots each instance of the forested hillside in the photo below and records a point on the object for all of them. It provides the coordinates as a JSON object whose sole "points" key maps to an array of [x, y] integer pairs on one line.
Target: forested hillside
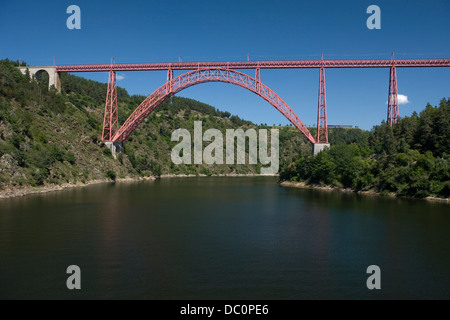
{"points": [[409, 159], [48, 138]]}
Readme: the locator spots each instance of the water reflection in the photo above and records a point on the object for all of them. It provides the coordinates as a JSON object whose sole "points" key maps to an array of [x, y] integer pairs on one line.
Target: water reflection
{"points": [[223, 238]]}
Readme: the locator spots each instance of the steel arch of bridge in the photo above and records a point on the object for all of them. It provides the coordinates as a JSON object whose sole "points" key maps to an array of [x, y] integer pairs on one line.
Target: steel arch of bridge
{"points": [[202, 75]]}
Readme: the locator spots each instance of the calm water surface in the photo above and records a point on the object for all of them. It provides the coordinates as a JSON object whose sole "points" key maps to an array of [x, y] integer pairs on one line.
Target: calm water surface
{"points": [[221, 238]]}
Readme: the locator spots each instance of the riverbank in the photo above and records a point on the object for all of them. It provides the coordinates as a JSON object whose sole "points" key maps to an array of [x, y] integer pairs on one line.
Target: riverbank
{"points": [[23, 191], [218, 175], [303, 185]]}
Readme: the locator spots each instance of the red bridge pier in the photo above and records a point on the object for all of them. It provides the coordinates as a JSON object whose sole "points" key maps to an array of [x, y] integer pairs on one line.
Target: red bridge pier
{"points": [[110, 120], [392, 112], [322, 128]]}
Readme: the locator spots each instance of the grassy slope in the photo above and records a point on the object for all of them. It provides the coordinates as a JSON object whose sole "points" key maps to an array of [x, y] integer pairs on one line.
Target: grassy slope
{"points": [[49, 138]]}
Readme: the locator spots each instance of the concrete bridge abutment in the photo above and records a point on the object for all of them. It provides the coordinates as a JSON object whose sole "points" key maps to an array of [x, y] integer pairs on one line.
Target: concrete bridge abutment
{"points": [[54, 78], [319, 147], [115, 147]]}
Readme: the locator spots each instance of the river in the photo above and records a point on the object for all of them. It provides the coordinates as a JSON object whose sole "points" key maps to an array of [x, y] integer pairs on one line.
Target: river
{"points": [[221, 238]]}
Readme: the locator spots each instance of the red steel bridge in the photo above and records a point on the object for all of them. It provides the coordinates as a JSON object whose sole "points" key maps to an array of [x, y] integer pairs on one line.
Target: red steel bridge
{"points": [[201, 72]]}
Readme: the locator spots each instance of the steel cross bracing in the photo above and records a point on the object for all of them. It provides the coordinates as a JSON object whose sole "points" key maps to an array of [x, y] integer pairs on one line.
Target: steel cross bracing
{"points": [[322, 128], [279, 64], [189, 79], [393, 112], [110, 121]]}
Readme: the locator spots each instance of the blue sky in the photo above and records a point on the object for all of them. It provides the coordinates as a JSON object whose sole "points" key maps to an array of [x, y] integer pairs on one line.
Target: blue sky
{"points": [[157, 31]]}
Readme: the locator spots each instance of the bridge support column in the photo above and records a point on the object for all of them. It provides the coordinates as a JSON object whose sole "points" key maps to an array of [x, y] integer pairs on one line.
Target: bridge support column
{"points": [[392, 112], [110, 120], [115, 147], [54, 79], [322, 128], [258, 80], [319, 147], [169, 80]]}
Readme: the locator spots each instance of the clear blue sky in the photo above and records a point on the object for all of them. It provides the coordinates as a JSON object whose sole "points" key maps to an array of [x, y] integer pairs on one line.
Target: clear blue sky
{"points": [[155, 31]]}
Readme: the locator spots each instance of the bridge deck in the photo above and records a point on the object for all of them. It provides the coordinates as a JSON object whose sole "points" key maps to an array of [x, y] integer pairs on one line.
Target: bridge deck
{"points": [[280, 64]]}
